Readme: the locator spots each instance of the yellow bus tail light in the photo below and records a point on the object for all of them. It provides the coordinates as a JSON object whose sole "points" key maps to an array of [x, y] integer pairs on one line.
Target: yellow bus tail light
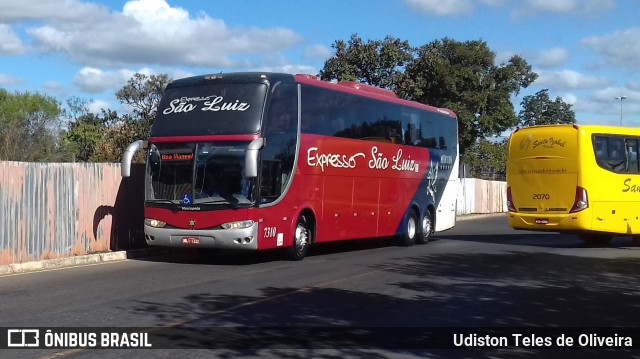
{"points": [[510, 205], [581, 200]]}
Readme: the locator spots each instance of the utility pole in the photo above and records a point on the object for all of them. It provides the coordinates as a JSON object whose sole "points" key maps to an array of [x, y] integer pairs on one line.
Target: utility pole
{"points": [[620, 98]]}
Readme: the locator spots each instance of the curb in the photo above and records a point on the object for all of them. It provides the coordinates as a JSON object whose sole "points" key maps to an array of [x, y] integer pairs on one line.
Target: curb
{"points": [[464, 217], [87, 259]]}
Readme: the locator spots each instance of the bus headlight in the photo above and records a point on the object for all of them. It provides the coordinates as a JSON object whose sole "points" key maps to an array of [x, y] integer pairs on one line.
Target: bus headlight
{"points": [[237, 225], [154, 223]]}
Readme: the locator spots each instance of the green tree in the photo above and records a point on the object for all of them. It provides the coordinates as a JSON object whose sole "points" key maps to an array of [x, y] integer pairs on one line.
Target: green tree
{"points": [[539, 109], [374, 62], [29, 127], [487, 159], [463, 76], [142, 93]]}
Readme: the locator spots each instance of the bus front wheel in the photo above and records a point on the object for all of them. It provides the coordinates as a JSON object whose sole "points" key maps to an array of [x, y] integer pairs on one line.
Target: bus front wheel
{"points": [[301, 240]]}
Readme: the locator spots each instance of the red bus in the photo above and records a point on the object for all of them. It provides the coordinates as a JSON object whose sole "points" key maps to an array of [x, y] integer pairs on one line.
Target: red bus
{"points": [[265, 160]]}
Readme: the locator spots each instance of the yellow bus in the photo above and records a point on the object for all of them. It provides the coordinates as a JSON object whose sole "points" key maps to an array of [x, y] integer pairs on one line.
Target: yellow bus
{"points": [[575, 179]]}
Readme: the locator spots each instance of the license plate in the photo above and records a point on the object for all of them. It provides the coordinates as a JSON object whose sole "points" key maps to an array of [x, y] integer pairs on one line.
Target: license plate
{"points": [[190, 240], [542, 221]]}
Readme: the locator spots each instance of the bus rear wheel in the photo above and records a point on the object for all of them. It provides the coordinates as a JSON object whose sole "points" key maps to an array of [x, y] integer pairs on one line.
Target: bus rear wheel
{"points": [[301, 240], [427, 229], [596, 239]]}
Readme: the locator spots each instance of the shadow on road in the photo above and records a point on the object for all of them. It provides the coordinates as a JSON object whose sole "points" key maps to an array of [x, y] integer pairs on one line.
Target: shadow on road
{"points": [[243, 258], [542, 239], [461, 290]]}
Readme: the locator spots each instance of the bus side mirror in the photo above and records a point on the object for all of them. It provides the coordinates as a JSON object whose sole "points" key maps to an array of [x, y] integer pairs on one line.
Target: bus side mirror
{"points": [[251, 159], [127, 156]]}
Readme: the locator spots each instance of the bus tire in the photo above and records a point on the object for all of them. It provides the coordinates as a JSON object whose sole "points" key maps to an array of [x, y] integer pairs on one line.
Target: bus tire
{"points": [[424, 236], [411, 229], [301, 240], [596, 239]]}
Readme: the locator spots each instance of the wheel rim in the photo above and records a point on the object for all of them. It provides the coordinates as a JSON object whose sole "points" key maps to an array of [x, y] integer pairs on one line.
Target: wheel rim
{"points": [[302, 238], [426, 227], [411, 227]]}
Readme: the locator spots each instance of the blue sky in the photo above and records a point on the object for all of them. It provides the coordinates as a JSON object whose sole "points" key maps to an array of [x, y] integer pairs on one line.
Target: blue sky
{"points": [[585, 51]]}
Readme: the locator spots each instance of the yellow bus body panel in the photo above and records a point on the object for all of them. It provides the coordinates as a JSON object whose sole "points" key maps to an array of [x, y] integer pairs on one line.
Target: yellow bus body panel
{"points": [[545, 164]]}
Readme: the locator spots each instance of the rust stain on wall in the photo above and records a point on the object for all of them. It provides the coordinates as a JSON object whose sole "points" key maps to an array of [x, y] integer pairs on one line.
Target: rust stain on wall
{"points": [[56, 210]]}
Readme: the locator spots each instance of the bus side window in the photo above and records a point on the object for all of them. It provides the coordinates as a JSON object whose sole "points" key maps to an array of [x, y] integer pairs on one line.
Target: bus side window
{"points": [[632, 156], [280, 133], [617, 156]]}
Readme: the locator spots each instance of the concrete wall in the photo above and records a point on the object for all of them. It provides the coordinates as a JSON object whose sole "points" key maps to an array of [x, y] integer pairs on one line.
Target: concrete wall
{"points": [[57, 210], [481, 196]]}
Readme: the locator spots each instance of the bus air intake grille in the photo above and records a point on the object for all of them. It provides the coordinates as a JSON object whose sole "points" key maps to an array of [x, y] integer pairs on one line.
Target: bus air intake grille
{"points": [[557, 209], [527, 209]]}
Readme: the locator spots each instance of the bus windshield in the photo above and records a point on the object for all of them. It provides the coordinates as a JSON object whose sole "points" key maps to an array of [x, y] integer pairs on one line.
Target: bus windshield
{"points": [[212, 109], [204, 173]]}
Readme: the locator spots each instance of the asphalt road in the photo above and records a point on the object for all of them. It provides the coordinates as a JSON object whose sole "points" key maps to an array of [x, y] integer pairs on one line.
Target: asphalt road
{"points": [[479, 274]]}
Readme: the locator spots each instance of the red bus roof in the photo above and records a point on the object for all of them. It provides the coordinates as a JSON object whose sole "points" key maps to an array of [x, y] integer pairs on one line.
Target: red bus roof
{"points": [[360, 89]]}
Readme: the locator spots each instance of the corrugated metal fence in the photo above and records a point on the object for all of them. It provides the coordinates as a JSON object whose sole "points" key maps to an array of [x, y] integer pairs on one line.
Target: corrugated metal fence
{"points": [[55, 210]]}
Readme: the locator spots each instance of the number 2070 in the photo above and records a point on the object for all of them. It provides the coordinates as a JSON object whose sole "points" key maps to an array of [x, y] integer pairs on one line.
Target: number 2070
{"points": [[541, 196]]}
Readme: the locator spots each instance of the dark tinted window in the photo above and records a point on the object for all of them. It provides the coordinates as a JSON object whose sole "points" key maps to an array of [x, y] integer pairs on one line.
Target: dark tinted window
{"points": [[217, 109], [616, 153], [339, 114]]}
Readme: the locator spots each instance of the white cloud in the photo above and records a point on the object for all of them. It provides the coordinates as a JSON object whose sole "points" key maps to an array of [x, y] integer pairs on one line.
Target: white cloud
{"points": [[551, 57], [13, 11], [620, 48], [569, 79], [8, 80], [152, 32], [317, 52], [563, 6], [569, 98], [570, 7], [96, 106], [9, 41], [94, 80], [53, 86], [442, 8]]}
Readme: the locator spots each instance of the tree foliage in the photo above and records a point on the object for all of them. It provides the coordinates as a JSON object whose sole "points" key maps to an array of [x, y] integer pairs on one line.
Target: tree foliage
{"points": [[539, 109], [142, 93], [104, 137], [461, 76], [374, 62], [29, 127], [487, 159]]}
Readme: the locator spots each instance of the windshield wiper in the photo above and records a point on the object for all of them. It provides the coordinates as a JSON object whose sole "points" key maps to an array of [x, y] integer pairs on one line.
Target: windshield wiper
{"points": [[175, 203], [231, 201]]}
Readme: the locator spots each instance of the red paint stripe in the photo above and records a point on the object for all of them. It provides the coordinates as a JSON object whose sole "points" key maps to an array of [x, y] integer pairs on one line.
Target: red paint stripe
{"points": [[204, 138]]}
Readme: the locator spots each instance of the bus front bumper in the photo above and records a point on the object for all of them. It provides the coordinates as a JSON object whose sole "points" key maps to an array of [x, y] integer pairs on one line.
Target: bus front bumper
{"points": [[245, 238]]}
